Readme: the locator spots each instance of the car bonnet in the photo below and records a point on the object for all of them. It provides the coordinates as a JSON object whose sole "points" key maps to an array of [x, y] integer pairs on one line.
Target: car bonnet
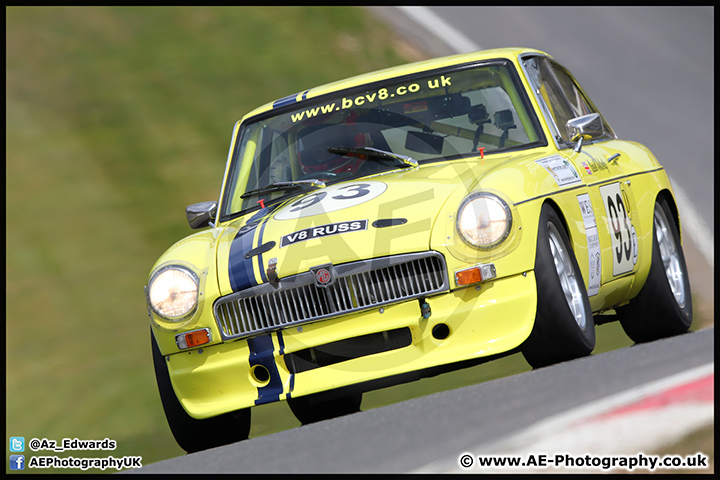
{"points": [[370, 217]]}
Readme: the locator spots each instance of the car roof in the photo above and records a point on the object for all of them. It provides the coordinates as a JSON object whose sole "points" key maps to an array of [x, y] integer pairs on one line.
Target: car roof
{"points": [[398, 71]]}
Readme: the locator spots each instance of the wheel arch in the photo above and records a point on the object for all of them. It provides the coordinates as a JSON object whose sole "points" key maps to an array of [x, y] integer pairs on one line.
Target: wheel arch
{"points": [[666, 194], [554, 205]]}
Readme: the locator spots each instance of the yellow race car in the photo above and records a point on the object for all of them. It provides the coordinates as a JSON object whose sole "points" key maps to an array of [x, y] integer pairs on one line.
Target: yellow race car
{"points": [[404, 222]]}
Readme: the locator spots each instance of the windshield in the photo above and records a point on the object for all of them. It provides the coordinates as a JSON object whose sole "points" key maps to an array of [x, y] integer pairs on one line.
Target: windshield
{"points": [[432, 116]]}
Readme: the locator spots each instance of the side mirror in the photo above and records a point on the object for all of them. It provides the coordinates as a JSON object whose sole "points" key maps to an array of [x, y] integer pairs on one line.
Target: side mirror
{"points": [[586, 127], [200, 215]]}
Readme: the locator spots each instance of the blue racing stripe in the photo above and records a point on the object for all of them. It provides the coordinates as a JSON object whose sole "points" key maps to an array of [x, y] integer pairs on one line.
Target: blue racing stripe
{"points": [[292, 386], [263, 275], [281, 343], [285, 101], [261, 353], [240, 269]]}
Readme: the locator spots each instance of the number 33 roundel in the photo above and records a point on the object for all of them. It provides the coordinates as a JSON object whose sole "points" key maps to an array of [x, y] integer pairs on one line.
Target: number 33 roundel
{"points": [[331, 199]]}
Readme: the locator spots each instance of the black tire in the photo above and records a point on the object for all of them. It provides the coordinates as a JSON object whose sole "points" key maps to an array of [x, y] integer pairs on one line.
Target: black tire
{"points": [[663, 307], [322, 406], [561, 332], [191, 434]]}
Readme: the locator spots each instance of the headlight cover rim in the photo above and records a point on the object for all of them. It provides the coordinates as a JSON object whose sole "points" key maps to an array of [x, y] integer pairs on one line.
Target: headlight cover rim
{"points": [[500, 202], [190, 310]]}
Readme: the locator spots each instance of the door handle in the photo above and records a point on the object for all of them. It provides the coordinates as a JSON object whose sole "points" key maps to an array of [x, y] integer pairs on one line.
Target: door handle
{"points": [[613, 159]]}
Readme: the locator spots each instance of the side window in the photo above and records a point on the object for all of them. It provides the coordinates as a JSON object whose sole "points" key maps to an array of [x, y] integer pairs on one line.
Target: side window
{"points": [[572, 96], [560, 93]]}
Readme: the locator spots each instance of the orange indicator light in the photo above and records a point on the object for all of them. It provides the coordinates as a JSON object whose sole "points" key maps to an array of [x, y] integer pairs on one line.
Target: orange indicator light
{"points": [[469, 276], [199, 337], [193, 339], [476, 274]]}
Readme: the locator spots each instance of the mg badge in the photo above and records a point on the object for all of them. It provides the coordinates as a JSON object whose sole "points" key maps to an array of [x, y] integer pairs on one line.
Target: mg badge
{"points": [[323, 275]]}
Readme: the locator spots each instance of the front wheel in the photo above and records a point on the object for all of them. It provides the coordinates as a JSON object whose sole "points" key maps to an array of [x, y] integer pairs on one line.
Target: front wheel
{"points": [[564, 328], [191, 434], [663, 307]]}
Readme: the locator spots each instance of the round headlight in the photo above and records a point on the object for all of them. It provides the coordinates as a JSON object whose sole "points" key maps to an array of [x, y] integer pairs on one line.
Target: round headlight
{"points": [[484, 220], [173, 292]]}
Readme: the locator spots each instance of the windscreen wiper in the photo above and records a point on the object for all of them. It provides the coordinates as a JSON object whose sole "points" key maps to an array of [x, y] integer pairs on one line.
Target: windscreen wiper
{"points": [[273, 187], [377, 154]]}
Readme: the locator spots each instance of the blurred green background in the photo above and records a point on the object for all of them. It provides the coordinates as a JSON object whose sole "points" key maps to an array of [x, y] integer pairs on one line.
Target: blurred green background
{"points": [[117, 119]]}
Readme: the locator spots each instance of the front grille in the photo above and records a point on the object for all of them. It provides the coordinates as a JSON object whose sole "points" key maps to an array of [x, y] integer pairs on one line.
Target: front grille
{"points": [[343, 350], [357, 286]]}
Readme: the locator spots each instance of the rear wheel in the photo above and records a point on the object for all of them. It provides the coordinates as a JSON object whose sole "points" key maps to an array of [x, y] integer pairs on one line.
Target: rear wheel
{"points": [[564, 328], [664, 305], [192, 434], [323, 406]]}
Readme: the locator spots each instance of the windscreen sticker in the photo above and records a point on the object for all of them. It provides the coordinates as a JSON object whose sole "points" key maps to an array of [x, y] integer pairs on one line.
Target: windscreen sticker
{"points": [[372, 98], [330, 199], [323, 231], [415, 107], [562, 171], [593, 243]]}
